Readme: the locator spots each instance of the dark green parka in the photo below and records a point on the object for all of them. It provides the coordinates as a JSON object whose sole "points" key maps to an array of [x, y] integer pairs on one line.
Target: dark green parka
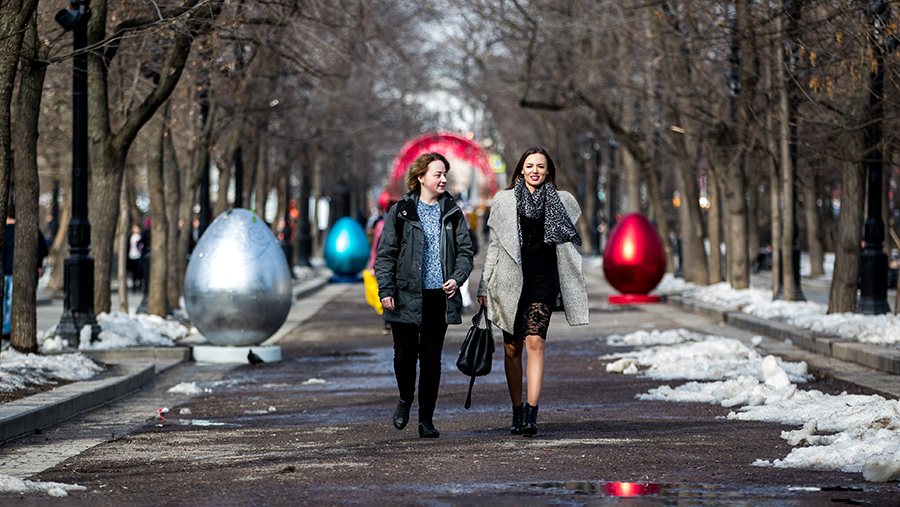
{"points": [[398, 264]]}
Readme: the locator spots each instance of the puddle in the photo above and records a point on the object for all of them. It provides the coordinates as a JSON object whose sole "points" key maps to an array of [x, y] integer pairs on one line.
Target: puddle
{"points": [[664, 494], [200, 422]]}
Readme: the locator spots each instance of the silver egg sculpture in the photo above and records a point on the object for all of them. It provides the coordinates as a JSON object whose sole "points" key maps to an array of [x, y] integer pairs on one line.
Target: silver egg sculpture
{"points": [[237, 287]]}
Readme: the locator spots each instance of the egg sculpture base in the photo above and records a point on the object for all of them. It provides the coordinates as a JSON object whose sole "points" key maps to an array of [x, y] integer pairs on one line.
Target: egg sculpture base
{"points": [[237, 287], [235, 355], [634, 261]]}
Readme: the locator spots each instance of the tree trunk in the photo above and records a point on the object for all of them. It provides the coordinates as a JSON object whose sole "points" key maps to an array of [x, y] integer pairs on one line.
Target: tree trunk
{"points": [[813, 227], [261, 183], [845, 279], [753, 185], [171, 175], [736, 213], [59, 250], [159, 223], [108, 151], [693, 252], [123, 235], [23, 326], [714, 225], [14, 17], [773, 53]]}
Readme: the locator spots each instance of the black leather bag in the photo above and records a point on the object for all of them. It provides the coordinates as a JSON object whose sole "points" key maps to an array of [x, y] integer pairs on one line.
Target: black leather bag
{"points": [[476, 353]]}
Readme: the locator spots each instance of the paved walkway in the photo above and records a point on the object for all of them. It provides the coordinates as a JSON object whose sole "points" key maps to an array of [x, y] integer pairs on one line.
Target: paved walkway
{"points": [[856, 363]]}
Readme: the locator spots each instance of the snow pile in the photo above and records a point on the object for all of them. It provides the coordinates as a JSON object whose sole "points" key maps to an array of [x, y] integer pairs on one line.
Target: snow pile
{"points": [[19, 371], [849, 433], [189, 388], [121, 330], [702, 358], [10, 484], [671, 285], [876, 329]]}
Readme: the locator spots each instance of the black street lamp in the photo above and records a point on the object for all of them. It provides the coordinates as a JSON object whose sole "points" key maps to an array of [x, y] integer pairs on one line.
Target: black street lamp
{"points": [[78, 279], [203, 191], [287, 233], [874, 262], [613, 201], [593, 184], [304, 238]]}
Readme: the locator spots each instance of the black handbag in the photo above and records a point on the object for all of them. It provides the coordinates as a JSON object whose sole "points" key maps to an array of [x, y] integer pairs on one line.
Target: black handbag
{"points": [[476, 353]]}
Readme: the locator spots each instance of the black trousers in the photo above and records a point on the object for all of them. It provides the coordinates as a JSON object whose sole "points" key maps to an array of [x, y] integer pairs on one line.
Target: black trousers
{"points": [[423, 344]]}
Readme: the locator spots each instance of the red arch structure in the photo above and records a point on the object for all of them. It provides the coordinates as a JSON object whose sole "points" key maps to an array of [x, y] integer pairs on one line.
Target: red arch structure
{"points": [[447, 144]]}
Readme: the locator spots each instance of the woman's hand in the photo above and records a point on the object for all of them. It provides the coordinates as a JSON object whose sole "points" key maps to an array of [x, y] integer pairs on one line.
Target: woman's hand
{"points": [[482, 300], [449, 287], [388, 303]]}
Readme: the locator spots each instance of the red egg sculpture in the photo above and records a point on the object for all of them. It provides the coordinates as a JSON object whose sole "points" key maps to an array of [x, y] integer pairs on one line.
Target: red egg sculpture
{"points": [[634, 260]]}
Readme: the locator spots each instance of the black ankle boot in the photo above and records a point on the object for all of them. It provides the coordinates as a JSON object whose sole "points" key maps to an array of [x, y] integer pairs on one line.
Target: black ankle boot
{"points": [[427, 430], [401, 414], [529, 427], [518, 419]]}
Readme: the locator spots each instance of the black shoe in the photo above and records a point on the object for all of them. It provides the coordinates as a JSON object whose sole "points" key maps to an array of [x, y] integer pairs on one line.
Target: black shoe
{"points": [[427, 430], [518, 420], [529, 428], [401, 414]]}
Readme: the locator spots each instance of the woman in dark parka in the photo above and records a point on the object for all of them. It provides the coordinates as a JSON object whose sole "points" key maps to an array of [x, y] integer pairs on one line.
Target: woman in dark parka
{"points": [[424, 256]]}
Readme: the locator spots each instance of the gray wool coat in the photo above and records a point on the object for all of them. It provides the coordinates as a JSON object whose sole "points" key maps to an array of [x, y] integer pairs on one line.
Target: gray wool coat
{"points": [[501, 279]]}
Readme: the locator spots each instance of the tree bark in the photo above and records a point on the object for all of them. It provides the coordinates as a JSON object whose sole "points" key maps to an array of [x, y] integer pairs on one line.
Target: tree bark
{"points": [[159, 223], [14, 17], [714, 225], [845, 279], [171, 175], [813, 227], [123, 237], [23, 325]]}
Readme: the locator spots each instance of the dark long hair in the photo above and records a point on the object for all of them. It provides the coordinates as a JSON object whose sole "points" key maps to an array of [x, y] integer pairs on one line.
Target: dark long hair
{"points": [[551, 167]]}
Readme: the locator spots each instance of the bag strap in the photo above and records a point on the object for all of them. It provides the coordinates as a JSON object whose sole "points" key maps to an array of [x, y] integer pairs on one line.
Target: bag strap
{"points": [[476, 319], [469, 396]]}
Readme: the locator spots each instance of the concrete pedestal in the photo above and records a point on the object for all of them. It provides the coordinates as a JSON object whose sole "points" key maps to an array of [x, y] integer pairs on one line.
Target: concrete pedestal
{"points": [[217, 354]]}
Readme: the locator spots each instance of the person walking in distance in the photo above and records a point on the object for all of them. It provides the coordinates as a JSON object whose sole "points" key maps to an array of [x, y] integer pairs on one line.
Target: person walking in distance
{"points": [[424, 256], [530, 262]]}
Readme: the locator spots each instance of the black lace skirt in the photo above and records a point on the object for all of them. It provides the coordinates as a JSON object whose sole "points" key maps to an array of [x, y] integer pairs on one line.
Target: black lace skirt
{"points": [[535, 306]]}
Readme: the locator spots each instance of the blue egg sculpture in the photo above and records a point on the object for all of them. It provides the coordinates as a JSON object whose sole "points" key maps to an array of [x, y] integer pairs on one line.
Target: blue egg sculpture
{"points": [[237, 287], [346, 248]]}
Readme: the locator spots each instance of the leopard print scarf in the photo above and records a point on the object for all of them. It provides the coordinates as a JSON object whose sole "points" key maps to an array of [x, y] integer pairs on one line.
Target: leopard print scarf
{"points": [[558, 227]]}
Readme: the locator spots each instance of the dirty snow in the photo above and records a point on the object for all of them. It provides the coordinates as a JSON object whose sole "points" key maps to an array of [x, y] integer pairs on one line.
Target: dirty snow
{"points": [[849, 433]]}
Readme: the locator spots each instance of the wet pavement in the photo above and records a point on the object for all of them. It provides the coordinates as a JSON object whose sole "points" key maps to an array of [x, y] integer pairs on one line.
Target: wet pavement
{"points": [[314, 429]]}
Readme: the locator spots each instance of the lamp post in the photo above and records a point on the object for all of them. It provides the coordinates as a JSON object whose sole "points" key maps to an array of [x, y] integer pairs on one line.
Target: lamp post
{"points": [[874, 262], [613, 201], [287, 233], [595, 216], [304, 245], [203, 191], [78, 278]]}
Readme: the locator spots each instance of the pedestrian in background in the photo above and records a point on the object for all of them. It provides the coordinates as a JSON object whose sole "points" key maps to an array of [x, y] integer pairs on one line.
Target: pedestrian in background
{"points": [[134, 257], [531, 261], [424, 255], [8, 249], [377, 228]]}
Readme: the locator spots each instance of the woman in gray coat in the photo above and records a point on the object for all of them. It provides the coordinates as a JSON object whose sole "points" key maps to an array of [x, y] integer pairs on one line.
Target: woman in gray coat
{"points": [[531, 261], [424, 256]]}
